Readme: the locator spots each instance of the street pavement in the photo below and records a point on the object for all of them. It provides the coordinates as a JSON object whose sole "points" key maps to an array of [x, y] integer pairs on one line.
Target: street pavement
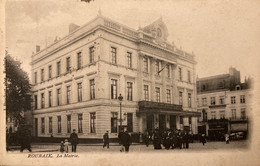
{"points": [[114, 147]]}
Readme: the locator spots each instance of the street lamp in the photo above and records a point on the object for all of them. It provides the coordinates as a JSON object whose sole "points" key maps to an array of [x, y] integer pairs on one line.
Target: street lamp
{"points": [[120, 98]]}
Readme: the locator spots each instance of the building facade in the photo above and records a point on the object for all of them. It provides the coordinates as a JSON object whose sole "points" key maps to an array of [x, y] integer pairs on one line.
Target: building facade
{"points": [[224, 103], [77, 81]]}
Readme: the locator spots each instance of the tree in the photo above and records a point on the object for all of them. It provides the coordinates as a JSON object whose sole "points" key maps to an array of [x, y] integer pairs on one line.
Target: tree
{"points": [[17, 92]]}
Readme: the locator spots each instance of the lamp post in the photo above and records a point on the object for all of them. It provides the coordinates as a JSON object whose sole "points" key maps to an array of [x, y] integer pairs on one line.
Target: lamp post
{"points": [[120, 98]]}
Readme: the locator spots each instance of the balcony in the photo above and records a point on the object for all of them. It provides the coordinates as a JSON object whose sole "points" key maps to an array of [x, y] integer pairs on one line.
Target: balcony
{"points": [[218, 106], [165, 108]]}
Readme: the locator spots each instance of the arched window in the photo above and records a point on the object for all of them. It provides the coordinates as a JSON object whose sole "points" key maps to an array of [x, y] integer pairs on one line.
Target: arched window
{"points": [[159, 32]]}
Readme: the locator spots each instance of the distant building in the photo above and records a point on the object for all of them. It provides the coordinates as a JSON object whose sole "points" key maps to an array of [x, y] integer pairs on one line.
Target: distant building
{"points": [[224, 103], [77, 81]]}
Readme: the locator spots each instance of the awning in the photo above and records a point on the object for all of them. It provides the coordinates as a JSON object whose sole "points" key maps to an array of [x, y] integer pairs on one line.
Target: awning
{"points": [[149, 107]]}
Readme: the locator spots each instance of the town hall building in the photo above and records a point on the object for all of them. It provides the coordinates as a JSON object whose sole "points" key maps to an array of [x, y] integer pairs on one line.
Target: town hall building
{"points": [[78, 79]]}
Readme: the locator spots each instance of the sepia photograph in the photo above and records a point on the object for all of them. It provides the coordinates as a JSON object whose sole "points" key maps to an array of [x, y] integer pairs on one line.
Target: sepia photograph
{"points": [[127, 82]]}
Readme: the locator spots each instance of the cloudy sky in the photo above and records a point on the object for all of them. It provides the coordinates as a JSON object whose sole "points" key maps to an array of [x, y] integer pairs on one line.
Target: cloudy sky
{"points": [[221, 33]]}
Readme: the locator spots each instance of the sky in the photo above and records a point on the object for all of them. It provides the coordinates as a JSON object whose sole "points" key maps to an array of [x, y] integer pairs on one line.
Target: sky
{"points": [[221, 33]]}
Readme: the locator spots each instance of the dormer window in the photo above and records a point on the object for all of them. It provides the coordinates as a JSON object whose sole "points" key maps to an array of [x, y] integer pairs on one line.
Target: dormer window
{"points": [[238, 87]]}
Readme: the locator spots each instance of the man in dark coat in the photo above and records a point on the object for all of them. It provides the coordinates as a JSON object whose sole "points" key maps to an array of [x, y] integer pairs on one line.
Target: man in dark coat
{"points": [[25, 138], [157, 140], [74, 140], [106, 140], [126, 140], [146, 138]]}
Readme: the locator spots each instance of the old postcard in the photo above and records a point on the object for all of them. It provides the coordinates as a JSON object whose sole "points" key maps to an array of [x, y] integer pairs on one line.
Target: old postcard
{"points": [[95, 82]]}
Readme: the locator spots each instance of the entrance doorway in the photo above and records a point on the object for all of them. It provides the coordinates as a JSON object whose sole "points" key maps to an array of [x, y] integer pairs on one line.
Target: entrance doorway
{"points": [[150, 122], [173, 122], [162, 123]]}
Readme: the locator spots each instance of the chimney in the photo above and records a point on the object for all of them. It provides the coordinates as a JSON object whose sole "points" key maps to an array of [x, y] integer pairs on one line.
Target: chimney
{"points": [[73, 27], [38, 48]]}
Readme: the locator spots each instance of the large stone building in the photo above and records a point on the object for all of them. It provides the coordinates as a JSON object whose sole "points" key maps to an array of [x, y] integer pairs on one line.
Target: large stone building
{"points": [[77, 81], [224, 103]]}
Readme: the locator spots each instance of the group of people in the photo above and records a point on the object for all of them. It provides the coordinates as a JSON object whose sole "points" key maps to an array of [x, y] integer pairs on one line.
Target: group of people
{"points": [[169, 139], [64, 146]]}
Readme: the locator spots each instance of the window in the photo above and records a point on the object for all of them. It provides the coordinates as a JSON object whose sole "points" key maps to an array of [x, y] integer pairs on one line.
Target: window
{"points": [[243, 113], [80, 123], [68, 64], [180, 98], [129, 91], [190, 120], [113, 55], [113, 122], [50, 71], [181, 119], [168, 71], [204, 101], [50, 124], [129, 59], [222, 114], [180, 74], [157, 67], [79, 63], [59, 124], [42, 100], [91, 54], [189, 100], [58, 96], [79, 92], [92, 89], [221, 100], [189, 78], [213, 114], [42, 126], [50, 98], [68, 123], [234, 115], [35, 77], [212, 100], [168, 96], [157, 91], [130, 122], [242, 99], [42, 75], [68, 94], [233, 99], [146, 93], [113, 89], [93, 122], [145, 61], [35, 102], [58, 69]]}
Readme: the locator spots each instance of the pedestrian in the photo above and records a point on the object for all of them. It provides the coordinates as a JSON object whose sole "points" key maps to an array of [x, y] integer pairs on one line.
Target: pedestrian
{"points": [[74, 140], [227, 138], [62, 147], [146, 138], [157, 140], [106, 140], [126, 140], [186, 140], [66, 146], [203, 139], [25, 138], [120, 141]]}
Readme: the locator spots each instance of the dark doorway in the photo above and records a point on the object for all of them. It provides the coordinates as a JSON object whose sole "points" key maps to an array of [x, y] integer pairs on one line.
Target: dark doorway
{"points": [[150, 122], [173, 122], [162, 123], [36, 127]]}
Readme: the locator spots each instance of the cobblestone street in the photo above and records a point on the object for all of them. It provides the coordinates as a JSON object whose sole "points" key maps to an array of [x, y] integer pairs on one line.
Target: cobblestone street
{"points": [[114, 148]]}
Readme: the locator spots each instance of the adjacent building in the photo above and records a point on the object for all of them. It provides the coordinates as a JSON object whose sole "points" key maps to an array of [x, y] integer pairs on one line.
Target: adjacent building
{"points": [[224, 103], [77, 81]]}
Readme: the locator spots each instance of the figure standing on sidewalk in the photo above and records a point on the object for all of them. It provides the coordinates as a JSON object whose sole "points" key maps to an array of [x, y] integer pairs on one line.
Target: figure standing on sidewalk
{"points": [[74, 140], [106, 140], [227, 138], [126, 140], [25, 138]]}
